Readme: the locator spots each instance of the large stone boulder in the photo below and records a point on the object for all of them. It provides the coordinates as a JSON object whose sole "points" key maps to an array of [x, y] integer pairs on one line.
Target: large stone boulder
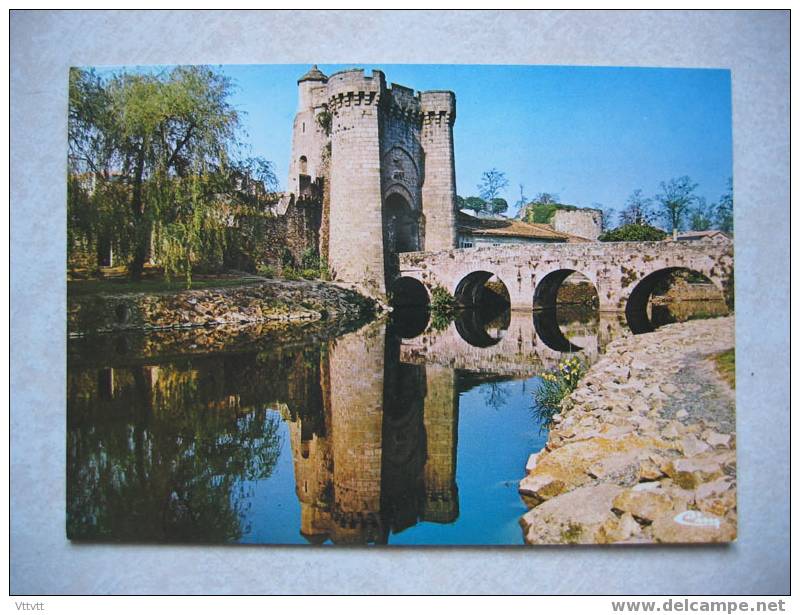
{"points": [[573, 518]]}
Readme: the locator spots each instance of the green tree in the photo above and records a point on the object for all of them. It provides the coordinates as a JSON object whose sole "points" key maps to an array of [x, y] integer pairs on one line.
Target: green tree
{"points": [[634, 232], [676, 198], [498, 205], [155, 155], [475, 203]]}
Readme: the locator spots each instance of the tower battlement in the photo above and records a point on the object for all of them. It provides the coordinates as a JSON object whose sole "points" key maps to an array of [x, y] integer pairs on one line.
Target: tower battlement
{"points": [[439, 104], [386, 153], [355, 84]]}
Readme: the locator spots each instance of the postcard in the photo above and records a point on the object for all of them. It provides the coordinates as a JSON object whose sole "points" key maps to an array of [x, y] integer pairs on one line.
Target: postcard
{"points": [[400, 305]]}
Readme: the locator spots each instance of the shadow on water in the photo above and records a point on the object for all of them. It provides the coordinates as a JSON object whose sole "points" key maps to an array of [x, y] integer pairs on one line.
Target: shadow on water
{"points": [[556, 326], [483, 326], [408, 322]]}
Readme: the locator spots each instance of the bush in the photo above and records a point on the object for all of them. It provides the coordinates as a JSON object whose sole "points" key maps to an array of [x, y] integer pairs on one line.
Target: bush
{"points": [[287, 259], [634, 232], [443, 307], [440, 322], [555, 386], [312, 267], [290, 273], [542, 213], [310, 259], [442, 302], [266, 270]]}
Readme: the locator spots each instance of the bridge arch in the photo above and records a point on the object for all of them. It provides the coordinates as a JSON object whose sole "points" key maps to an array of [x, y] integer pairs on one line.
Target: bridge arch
{"points": [[472, 290], [636, 305], [545, 292]]}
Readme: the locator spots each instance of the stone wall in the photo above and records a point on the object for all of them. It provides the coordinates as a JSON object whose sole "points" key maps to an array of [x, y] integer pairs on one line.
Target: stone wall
{"points": [[259, 302], [439, 187], [258, 241], [356, 224], [586, 223], [618, 271], [381, 143], [644, 449]]}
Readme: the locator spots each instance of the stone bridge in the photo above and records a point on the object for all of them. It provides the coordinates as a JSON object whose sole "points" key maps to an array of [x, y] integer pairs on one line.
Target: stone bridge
{"points": [[624, 274]]}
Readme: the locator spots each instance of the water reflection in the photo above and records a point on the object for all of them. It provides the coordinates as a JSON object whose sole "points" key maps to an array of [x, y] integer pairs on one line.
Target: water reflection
{"points": [[394, 433], [681, 311], [514, 343], [162, 453]]}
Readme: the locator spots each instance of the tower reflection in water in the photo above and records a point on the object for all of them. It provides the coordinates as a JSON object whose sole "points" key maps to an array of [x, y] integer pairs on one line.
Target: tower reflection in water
{"points": [[386, 457], [175, 451]]}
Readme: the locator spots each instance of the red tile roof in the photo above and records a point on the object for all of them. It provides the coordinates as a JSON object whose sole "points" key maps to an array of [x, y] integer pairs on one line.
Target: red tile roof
{"points": [[505, 227]]}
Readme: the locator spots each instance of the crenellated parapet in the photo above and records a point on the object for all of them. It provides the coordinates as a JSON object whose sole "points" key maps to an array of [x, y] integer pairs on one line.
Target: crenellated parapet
{"points": [[383, 156], [352, 88], [404, 104], [438, 107]]}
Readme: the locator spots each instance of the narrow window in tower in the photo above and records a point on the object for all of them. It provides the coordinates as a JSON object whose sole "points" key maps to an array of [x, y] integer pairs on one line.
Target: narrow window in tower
{"points": [[304, 126]]}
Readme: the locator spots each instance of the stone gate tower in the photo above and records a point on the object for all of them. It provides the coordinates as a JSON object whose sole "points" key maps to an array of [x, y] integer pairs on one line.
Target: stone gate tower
{"points": [[384, 158]]}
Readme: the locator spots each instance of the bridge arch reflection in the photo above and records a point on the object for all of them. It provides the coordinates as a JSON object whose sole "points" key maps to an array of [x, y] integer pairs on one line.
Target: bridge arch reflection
{"points": [[481, 329], [408, 292], [517, 343], [546, 325]]}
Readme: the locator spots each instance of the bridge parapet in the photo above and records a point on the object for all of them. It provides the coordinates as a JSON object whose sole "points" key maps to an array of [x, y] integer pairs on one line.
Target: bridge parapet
{"points": [[616, 269]]}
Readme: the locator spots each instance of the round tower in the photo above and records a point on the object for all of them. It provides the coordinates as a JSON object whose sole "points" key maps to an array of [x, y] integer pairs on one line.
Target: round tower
{"points": [[308, 136], [355, 250], [439, 189]]}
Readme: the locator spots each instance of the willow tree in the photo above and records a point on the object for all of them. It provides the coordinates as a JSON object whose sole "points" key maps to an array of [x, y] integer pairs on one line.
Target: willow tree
{"points": [[161, 152]]}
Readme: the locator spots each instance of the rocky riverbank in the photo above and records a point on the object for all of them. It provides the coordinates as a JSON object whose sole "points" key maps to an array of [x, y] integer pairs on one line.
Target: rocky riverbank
{"points": [[263, 301], [644, 450]]}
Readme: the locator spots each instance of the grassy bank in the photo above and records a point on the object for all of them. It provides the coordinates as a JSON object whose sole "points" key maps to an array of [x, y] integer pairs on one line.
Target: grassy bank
{"points": [[726, 366]]}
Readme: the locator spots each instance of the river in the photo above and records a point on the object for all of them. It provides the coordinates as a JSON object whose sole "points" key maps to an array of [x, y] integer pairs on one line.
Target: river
{"points": [[399, 431]]}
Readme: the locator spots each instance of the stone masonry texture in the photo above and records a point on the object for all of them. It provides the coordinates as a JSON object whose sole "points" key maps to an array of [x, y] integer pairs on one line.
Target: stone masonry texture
{"points": [[384, 154]]}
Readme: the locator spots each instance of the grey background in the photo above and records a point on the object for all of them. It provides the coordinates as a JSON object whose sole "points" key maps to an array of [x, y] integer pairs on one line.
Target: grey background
{"points": [[754, 45]]}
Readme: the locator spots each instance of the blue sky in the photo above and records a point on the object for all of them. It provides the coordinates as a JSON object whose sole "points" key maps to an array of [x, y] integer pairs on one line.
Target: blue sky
{"points": [[590, 134]]}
